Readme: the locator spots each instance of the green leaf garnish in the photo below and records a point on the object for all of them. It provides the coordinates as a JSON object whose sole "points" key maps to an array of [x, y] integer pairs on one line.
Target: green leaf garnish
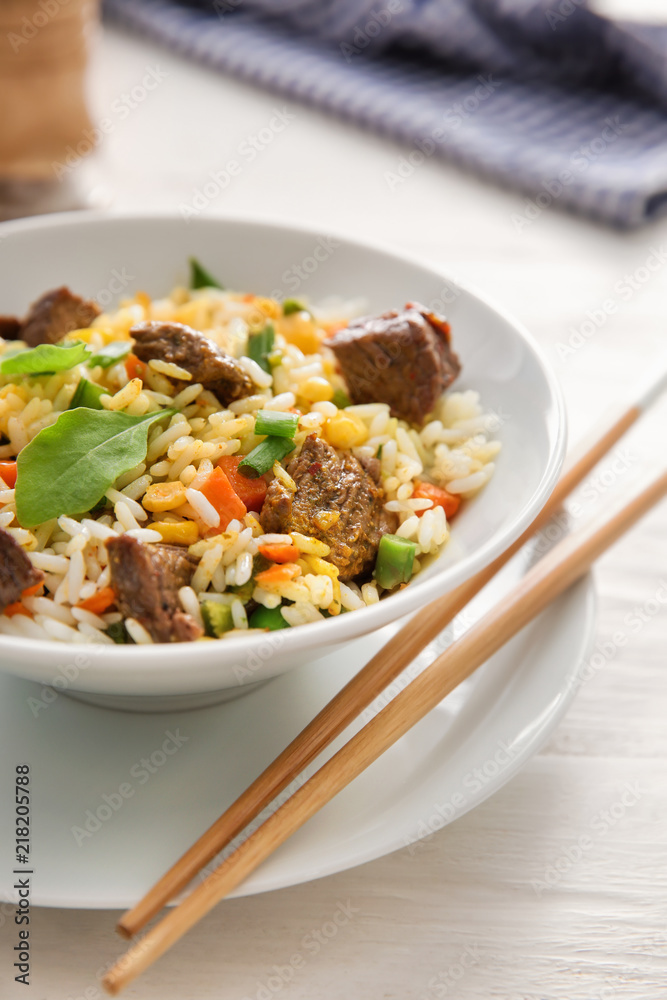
{"points": [[45, 359], [200, 277], [87, 394], [68, 467], [109, 355], [291, 306]]}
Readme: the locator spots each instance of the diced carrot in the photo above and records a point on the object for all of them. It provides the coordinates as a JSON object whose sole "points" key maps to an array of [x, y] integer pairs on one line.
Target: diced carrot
{"points": [[449, 502], [99, 602], [278, 574], [134, 367], [16, 609], [31, 591], [251, 491], [279, 553], [8, 473], [220, 494]]}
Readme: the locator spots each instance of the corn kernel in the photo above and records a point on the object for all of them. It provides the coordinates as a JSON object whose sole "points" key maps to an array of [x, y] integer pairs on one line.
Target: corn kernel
{"points": [[181, 533], [164, 496], [300, 330], [345, 430], [270, 307], [316, 390], [326, 519]]}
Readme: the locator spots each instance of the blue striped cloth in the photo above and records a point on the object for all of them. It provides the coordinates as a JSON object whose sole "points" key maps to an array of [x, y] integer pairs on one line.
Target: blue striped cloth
{"points": [[539, 95]]}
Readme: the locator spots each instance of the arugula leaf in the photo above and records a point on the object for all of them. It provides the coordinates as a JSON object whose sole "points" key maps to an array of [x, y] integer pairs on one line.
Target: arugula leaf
{"points": [[68, 467], [109, 355], [200, 277], [45, 359], [87, 394]]}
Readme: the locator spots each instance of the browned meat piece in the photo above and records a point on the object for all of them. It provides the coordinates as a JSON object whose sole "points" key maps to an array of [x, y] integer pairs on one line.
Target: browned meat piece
{"points": [[10, 327], [181, 345], [55, 314], [17, 573], [328, 482], [146, 579], [403, 359]]}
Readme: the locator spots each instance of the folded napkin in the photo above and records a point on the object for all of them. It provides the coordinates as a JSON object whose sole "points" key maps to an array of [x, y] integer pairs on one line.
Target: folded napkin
{"points": [[540, 95]]}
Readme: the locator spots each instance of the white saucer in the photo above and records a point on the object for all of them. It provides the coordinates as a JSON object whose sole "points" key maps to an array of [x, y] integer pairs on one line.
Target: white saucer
{"points": [[465, 750]]}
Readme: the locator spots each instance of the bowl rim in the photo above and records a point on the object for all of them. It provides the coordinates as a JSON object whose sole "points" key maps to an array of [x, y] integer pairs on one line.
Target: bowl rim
{"points": [[333, 631]]}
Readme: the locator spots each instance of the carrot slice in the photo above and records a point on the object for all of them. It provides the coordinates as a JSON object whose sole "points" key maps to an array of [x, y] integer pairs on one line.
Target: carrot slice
{"points": [[99, 602], [278, 574], [279, 553], [450, 502], [16, 609], [220, 494], [134, 367], [8, 473], [251, 491]]}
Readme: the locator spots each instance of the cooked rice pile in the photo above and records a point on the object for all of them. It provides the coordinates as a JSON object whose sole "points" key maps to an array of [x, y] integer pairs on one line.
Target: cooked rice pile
{"points": [[455, 450]]}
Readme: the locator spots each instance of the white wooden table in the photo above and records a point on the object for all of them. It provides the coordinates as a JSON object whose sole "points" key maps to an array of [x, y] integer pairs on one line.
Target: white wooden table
{"points": [[464, 915]]}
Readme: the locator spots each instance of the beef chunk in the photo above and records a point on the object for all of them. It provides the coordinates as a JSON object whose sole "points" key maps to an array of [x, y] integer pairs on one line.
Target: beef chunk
{"points": [[146, 579], [17, 573], [329, 482], [10, 327], [55, 314], [403, 359], [180, 345]]}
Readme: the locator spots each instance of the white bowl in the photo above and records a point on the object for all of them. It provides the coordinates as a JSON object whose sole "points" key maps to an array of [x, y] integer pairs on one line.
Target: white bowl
{"points": [[108, 257]]}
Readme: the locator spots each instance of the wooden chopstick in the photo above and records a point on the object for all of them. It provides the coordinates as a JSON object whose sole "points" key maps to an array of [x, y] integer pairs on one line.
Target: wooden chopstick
{"points": [[565, 564], [375, 676]]}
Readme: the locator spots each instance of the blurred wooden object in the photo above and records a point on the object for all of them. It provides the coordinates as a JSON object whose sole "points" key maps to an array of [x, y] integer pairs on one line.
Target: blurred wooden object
{"points": [[43, 109]]}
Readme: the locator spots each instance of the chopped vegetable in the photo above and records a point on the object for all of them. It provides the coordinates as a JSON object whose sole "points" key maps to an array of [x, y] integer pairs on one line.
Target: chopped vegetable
{"points": [[8, 473], [87, 394], [109, 355], [31, 591], [395, 560], [251, 491], [99, 602], [45, 359], [17, 608], [279, 553], [68, 467], [134, 367], [276, 423], [341, 399], [261, 458], [293, 306], [217, 618], [244, 592], [260, 346], [119, 634], [164, 496], [345, 430], [221, 495], [180, 533], [449, 502], [277, 574], [200, 277], [270, 618]]}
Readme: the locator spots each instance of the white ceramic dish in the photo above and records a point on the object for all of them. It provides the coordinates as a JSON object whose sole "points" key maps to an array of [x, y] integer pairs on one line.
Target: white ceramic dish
{"points": [[110, 256], [80, 754]]}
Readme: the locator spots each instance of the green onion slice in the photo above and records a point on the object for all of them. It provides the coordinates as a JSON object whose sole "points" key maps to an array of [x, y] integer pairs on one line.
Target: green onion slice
{"points": [[277, 424], [260, 346], [261, 458]]}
